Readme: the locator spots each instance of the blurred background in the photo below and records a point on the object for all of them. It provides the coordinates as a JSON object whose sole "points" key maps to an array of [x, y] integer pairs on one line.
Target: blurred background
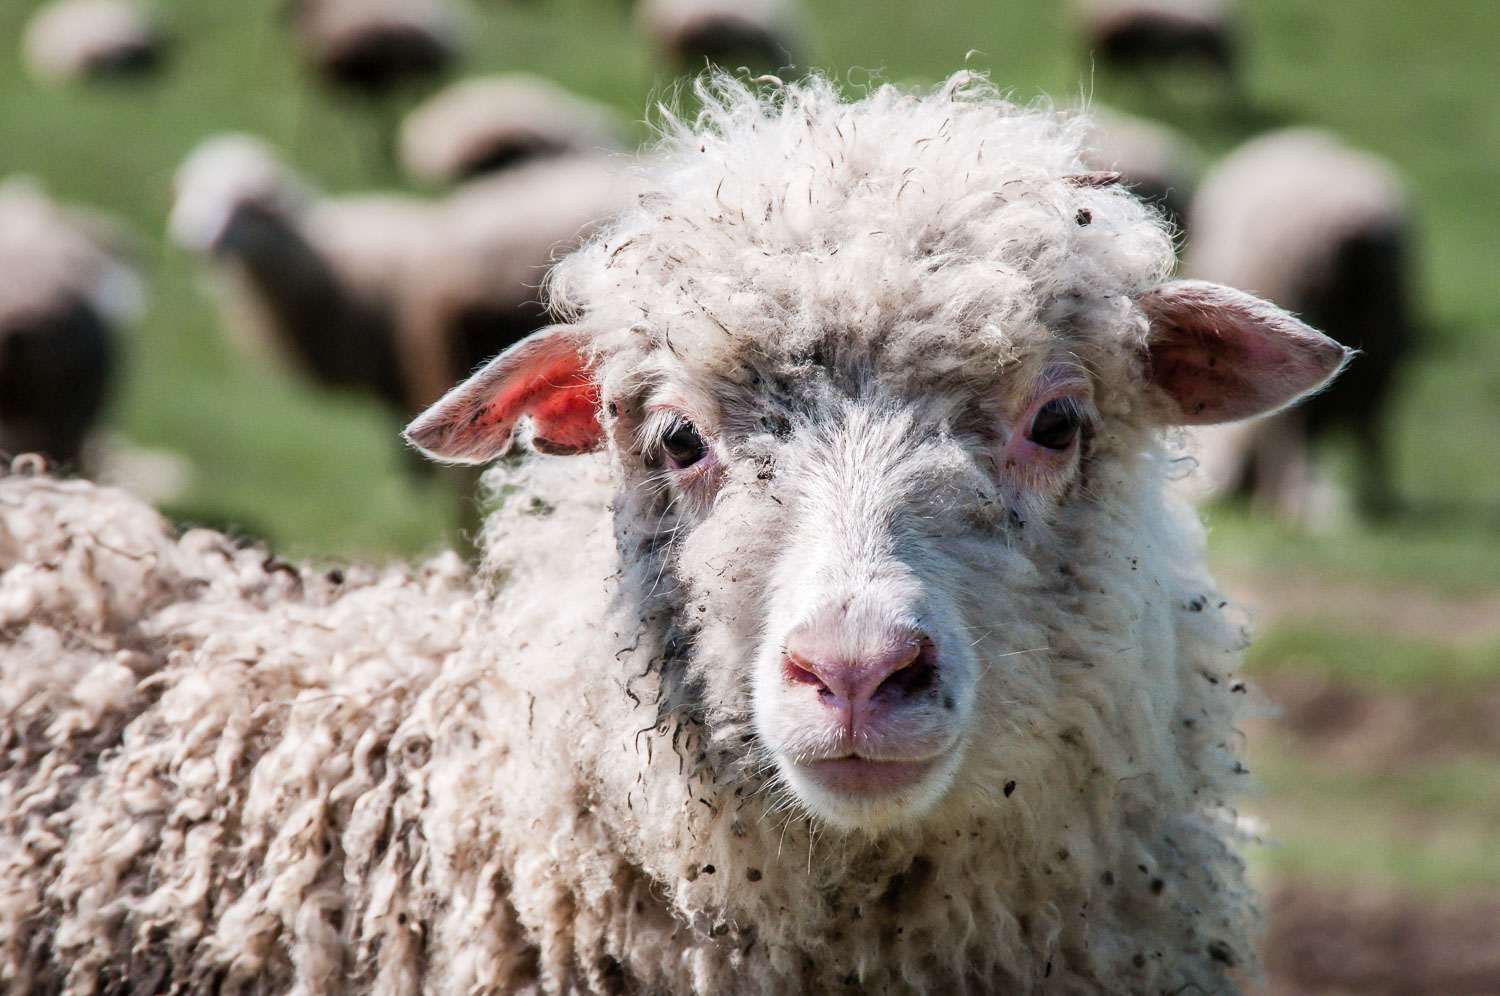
{"points": [[238, 326]]}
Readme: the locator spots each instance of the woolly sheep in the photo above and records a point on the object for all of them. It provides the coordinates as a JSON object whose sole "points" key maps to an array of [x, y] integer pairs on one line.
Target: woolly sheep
{"points": [[495, 122], [1146, 35], [78, 39], [67, 292], [870, 653], [371, 46], [720, 32], [386, 293], [1323, 230]]}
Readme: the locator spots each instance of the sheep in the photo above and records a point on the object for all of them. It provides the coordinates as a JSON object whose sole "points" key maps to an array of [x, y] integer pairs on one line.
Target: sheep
{"points": [[82, 39], [1324, 230], [720, 32], [386, 293], [496, 122], [1146, 35], [68, 291], [844, 635], [1155, 160], [372, 46]]}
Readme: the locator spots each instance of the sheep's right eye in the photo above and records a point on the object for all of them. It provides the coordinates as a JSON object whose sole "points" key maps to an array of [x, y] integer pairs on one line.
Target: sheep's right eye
{"points": [[682, 444]]}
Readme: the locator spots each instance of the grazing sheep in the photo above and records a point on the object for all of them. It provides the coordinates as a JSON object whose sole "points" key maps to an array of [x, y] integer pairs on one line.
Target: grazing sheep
{"points": [[1156, 161], [84, 39], [386, 293], [496, 122], [872, 653], [372, 46], [1146, 35], [66, 293], [720, 32], [1323, 230]]}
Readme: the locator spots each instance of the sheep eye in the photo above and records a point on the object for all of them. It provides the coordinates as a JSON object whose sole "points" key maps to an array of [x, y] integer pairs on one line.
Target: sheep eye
{"points": [[1055, 425], [682, 444]]}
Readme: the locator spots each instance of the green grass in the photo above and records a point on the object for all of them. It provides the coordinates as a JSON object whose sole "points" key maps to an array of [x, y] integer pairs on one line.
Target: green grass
{"points": [[1430, 828], [1378, 659]]}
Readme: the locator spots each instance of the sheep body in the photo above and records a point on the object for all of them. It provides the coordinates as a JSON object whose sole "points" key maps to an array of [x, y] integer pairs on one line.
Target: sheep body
{"points": [[481, 125], [385, 292], [226, 773], [67, 291], [79, 39], [1303, 219]]}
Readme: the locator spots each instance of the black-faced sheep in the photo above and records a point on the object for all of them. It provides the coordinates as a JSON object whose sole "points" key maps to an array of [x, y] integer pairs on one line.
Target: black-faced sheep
{"points": [[870, 652], [1325, 231], [720, 32], [1144, 36], [483, 125], [387, 293], [372, 46], [67, 292], [83, 39]]}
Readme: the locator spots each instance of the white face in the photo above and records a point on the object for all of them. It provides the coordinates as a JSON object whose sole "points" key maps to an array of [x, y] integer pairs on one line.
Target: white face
{"points": [[868, 656]]}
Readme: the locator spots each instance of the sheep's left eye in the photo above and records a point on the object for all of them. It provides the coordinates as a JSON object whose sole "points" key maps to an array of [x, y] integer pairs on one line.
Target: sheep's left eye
{"points": [[682, 444], [1055, 425]]}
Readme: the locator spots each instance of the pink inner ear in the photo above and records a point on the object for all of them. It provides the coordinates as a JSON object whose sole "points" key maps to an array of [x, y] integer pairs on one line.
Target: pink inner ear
{"points": [[1221, 355], [544, 376]]}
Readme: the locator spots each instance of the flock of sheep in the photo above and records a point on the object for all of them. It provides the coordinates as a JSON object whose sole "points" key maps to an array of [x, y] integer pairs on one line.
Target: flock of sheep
{"points": [[847, 632]]}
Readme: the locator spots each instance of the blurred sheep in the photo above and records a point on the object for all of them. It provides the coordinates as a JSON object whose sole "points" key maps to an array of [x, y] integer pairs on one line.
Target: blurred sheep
{"points": [[372, 46], [1146, 35], [386, 293], [66, 291], [1323, 230], [760, 33], [82, 39], [1158, 162], [492, 123]]}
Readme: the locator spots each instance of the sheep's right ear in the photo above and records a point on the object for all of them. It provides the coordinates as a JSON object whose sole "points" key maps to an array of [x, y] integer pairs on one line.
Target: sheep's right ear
{"points": [[1220, 355], [545, 376]]}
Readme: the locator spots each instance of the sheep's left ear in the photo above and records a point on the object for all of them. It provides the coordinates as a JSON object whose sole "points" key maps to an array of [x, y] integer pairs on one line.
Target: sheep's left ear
{"points": [[545, 376], [1221, 355]]}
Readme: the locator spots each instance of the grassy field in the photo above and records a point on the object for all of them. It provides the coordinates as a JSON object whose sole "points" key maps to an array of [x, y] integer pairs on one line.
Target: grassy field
{"points": [[1399, 611]]}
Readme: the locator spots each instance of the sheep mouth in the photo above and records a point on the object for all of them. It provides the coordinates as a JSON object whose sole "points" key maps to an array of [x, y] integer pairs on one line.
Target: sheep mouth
{"points": [[863, 776]]}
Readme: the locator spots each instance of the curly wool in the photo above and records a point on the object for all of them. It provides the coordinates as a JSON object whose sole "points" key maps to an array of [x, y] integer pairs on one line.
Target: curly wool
{"points": [[223, 772]]}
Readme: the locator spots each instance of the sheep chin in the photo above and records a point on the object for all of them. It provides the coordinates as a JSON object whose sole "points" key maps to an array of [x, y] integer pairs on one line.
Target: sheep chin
{"points": [[871, 808]]}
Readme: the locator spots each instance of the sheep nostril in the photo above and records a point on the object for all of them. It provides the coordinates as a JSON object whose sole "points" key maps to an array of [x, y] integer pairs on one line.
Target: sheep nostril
{"points": [[796, 670], [912, 679]]}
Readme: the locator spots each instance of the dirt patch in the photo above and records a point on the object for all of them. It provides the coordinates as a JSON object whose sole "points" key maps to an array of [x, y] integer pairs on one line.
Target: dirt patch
{"points": [[1334, 941], [1414, 613], [1374, 727]]}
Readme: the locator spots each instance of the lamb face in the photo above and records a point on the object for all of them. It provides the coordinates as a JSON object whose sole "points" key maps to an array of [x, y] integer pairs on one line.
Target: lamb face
{"points": [[858, 450], [845, 539]]}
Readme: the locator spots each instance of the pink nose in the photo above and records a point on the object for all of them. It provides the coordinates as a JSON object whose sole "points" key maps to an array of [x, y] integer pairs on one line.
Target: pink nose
{"points": [[849, 674]]}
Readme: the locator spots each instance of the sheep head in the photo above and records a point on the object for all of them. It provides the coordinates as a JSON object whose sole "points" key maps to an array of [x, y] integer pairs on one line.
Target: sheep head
{"points": [[872, 448]]}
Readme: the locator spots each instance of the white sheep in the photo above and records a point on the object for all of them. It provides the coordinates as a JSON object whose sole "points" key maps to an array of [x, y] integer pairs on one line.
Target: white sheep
{"points": [[1324, 230], [68, 290], [870, 653], [383, 292], [496, 122], [81, 39]]}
